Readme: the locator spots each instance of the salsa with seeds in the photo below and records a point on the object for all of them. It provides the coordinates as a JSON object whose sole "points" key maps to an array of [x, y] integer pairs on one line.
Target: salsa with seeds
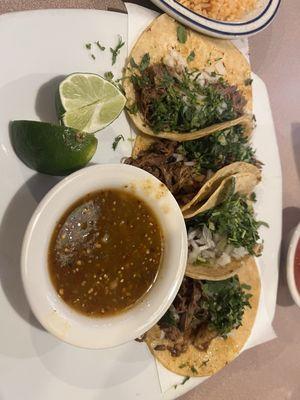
{"points": [[105, 252]]}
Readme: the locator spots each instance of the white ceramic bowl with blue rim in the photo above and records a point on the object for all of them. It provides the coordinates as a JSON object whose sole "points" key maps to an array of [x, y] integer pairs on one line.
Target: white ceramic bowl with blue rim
{"points": [[251, 24], [52, 312]]}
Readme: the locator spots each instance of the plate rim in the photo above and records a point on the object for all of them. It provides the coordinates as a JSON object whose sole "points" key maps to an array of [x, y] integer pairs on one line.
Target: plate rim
{"points": [[228, 29]]}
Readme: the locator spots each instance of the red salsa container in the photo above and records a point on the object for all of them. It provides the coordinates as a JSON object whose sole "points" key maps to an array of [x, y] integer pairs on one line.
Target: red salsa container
{"points": [[293, 266], [297, 266]]}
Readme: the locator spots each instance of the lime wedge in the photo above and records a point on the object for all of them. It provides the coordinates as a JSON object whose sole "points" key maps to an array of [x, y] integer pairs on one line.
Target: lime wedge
{"points": [[89, 102], [51, 149]]}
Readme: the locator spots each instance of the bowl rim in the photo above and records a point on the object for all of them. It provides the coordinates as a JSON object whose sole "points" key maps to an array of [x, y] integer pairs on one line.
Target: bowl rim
{"points": [[28, 282], [227, 29], [291, 265]]}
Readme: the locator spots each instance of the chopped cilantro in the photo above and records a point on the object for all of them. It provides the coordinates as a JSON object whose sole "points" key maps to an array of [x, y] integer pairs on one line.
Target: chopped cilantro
{"points": [[191, 56], [102, 48], [248, 81], [144, 62], [225, 302], [109, 75], [185, 379], [93, 56], [219, 149], [178, 108], [194, 370], [116, 141], [234, 219], [253, 197], [133, 63], [116, 51], [88, 46], [133, 109], [181, 34]]}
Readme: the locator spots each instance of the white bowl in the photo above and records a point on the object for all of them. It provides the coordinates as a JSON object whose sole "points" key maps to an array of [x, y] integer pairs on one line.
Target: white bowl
{"points": [[291, 265], [253, 23], [52, 312]]}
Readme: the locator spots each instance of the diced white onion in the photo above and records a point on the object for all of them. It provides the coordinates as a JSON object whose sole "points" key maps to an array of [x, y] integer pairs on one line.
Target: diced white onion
{"points": [[178, 157], [212, 247], [190, 163], [220, 67]]}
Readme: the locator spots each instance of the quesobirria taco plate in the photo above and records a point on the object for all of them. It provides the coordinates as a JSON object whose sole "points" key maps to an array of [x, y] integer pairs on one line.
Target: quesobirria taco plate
{"points": [[181, 85], [208, 323]]}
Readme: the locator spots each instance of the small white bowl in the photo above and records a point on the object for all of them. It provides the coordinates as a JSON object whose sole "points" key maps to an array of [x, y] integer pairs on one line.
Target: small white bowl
{"points": [[291, 265], [251, 24], [52, 312]]}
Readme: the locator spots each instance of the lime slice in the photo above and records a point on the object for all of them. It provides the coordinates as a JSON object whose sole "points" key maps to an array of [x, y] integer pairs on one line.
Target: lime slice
{"points": [[51, 149], [88, 102]]}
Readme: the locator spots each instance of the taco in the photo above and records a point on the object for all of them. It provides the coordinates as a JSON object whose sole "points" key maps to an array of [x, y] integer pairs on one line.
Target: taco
{"points": [[186, 167], [244, 177], [184, 88], [208, 323], [223, 236]]}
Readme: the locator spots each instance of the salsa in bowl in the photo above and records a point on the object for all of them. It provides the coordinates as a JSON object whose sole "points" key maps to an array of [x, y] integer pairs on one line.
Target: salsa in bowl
{"points": [[104, 255]]}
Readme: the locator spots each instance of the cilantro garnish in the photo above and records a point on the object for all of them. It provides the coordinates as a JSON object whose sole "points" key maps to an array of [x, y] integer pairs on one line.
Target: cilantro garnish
{"points": [[144, 62], [233, 219], [172, 102], [133, 109], [194, 370], [102, 48], [133, 63], [219, 149], [225, 302], [116, 141], [88, 46], [185, 379], [191, 56], [248, 82], [109, 75], [116, 51], [181, 34]]}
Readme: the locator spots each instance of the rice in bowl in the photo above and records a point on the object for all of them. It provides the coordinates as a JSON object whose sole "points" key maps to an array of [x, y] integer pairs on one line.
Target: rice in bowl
{"points": [[224, 10]]}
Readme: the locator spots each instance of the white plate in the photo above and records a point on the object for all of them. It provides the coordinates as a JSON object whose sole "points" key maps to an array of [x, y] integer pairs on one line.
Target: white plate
{"points": [[38, 47], [253, 23]]}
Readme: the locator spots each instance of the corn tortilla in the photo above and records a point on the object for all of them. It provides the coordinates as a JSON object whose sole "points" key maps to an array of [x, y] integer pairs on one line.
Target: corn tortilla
{"points": [[159, 39], [220, 351]]}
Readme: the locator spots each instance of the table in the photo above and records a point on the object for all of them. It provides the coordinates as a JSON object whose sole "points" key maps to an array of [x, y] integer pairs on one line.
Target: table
{"points": [[270, 371]]}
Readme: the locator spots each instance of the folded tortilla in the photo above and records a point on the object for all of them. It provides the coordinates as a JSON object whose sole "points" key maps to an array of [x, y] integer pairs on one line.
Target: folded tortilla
{"points": [[159, 40], [246, 176]]}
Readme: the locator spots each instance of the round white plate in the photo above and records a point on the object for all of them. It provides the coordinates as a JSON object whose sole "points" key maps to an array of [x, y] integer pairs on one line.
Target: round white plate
{"points": [[250, 25], [37, 49]]}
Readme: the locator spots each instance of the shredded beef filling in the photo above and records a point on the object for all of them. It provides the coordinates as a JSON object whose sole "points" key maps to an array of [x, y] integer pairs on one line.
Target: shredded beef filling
{"points": [[232, 93], [152, 91], [182, 179], [191, 324]]}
